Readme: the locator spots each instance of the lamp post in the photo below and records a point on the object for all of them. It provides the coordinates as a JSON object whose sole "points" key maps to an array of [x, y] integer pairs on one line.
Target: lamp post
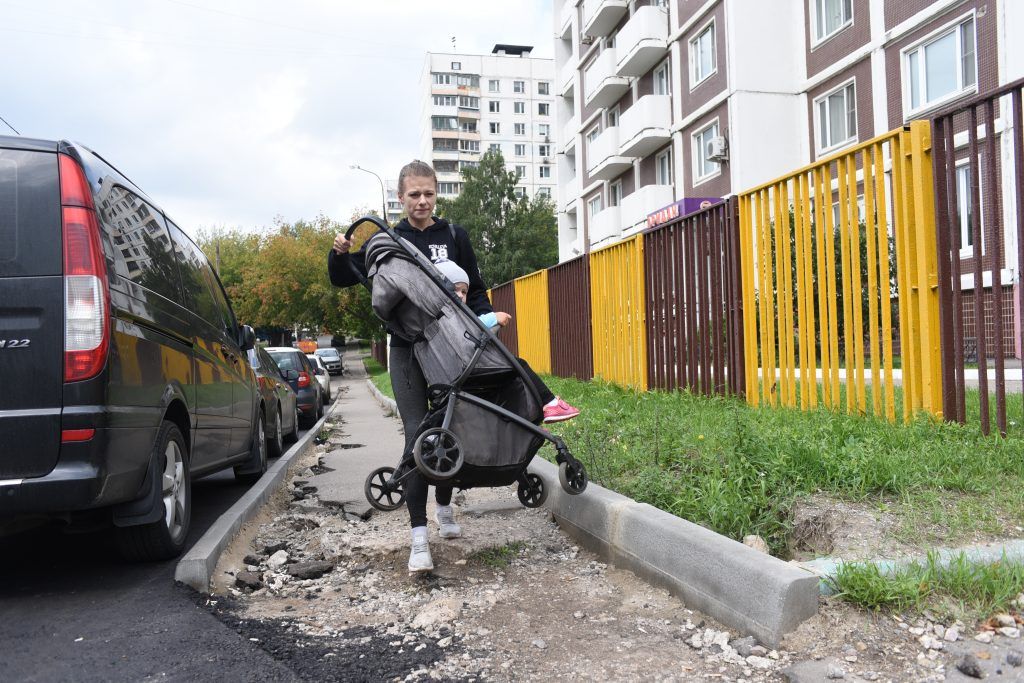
{"points": [[383, 192]]}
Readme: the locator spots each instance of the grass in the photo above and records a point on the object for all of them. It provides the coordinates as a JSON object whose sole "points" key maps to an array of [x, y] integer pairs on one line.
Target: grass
{"points": [[498, 556], [958, 589], [379, 376]]}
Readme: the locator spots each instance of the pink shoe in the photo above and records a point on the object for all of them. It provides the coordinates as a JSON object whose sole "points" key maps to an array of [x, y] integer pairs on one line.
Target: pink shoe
{"points": [[560, 412]]}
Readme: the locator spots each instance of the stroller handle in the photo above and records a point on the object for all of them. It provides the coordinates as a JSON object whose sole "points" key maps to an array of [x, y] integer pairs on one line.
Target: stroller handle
{"points": [[377, 222]]}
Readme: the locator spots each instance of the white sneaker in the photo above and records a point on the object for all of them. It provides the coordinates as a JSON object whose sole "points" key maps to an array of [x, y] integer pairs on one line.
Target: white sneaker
{"points": [[419, 556], [446, 519]]}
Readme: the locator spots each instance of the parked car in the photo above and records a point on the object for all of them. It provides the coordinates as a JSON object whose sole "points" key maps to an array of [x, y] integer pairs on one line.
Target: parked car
{"points": [[311, 402], [123, 365], [331, 359], [322, 376], [280, 403]]}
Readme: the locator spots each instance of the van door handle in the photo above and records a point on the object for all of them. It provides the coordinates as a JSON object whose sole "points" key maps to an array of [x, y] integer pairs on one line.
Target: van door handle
{"points": [[226, 352]]}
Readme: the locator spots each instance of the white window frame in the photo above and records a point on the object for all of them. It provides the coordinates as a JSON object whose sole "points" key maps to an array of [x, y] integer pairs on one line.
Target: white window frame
{"points": [[519, 128], [615, 193], [666, 154], [543, 88], [697, 149], [816, 39], [611, 117], [519, 107], [919, 47], [456, 66], [494, 107], [964, 165], [543, 171], [544, 149], [520, 171], [494, 147], [665, 66], [520, 149], [544, 129], [543, 109], [695, 77], [493, 85], [495, 128], [544, 192], [519, 87], [595, 205], [820, 125]]}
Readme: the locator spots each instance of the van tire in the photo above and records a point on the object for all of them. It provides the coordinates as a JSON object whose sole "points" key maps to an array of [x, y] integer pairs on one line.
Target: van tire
{"points": [[165, 538]]}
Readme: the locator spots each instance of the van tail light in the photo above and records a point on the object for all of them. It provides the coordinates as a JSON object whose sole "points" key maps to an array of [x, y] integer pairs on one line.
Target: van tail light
{"points": [[303, 379], [86, 293]]}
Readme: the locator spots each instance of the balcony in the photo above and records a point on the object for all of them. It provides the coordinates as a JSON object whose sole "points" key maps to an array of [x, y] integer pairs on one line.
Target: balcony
{"points": [[564, 29], [569, 132], [601, 16], [567, 77], [644, 201], [445, 154], [642, 42], [646, 126], [568, 193], [605, 225], [603, 159], [603, 86]]}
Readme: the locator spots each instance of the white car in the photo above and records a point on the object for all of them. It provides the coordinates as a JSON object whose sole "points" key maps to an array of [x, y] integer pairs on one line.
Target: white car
{"points": [[322, 376]]}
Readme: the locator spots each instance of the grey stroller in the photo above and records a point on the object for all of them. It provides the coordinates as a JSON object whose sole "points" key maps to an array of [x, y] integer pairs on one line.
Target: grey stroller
{"points": [[482, 424]]}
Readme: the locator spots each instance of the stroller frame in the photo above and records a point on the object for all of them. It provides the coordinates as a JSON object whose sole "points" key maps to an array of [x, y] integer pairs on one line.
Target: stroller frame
{"points": [[435, 465]]}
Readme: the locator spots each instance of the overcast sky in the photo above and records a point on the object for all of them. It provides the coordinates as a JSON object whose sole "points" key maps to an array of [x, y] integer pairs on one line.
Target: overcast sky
{"points": [[232, 112]]}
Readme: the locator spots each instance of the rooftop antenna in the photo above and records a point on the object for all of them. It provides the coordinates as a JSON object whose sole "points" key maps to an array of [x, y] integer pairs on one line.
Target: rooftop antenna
{"points": [[453, 44]]}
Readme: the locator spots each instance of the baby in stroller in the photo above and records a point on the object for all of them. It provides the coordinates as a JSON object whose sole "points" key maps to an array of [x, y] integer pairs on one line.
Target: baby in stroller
{"points": [[481, 427], [555, 409]]}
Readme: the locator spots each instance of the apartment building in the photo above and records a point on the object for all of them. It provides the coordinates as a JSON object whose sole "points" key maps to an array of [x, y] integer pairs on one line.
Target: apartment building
{"points": [[504, 101], [665, 104]]}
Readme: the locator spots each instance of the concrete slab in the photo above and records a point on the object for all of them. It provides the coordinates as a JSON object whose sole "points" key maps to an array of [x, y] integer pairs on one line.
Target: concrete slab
{"points": [[373, 441]]}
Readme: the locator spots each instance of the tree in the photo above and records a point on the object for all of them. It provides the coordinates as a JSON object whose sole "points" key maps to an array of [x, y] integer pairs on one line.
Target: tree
{"points": [[513, 236]]}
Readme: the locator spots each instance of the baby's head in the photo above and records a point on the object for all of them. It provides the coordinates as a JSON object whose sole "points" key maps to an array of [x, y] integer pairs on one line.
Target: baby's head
{"points": [[456, 275]]}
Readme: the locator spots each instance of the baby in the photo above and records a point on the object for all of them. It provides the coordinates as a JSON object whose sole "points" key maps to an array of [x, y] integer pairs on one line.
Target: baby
{"points": [[555, 409]]}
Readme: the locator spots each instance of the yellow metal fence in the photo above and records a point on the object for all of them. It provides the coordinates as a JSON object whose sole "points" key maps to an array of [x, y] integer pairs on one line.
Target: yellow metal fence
{"points": [[532, 320], [618, 313]]}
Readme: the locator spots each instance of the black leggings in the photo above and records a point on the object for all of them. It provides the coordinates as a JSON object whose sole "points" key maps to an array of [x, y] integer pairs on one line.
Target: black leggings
{"points": [[411, 396], [545, 394]]}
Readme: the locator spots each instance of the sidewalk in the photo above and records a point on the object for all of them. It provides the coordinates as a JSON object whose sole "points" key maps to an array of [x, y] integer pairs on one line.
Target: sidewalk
{"points": [[371, 440]]}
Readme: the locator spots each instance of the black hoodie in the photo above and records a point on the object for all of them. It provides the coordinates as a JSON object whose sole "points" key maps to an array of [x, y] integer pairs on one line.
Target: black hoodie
{"points": [[440, 241]]}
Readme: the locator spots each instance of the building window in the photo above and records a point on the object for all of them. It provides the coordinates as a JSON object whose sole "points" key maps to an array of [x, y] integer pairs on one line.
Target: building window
{"points": [[467, 80], [965, 207], [444, 123], [544, 129], [543, 108], [494, 106], [468, 127], [703, 55], [837, 117], [615, 193], [831, 16], [544, 192], [544, 172], [471, 146], [520, 192], [594, 205], [941, 67], [442, 79], [494, 147], [703, 167], [520, 171], [444, 100], [543, 88], [591, 136], [663, 168], [519, 86], [520, 150], [544, 150], [467, 102], [445, 144], [519, 107], [493, 86], [448, 188], [520, 128], [611, 117], [495, 128], [456, 66], [662, 82]]}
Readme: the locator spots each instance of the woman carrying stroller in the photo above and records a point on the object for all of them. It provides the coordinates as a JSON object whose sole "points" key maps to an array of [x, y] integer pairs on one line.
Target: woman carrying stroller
{"points": [[438, 240]]}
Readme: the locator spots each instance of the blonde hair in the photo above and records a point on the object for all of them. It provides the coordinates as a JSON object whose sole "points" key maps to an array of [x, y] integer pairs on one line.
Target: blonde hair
{"points": [[415, 168]]}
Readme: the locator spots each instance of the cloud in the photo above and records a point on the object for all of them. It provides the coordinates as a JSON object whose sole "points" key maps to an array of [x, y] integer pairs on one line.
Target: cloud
{"points": [[232, 112]]}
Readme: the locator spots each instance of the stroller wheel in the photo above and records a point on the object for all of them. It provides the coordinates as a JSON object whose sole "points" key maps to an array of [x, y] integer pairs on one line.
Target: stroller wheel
{"points": [[438, 453], [573, 477], [533, 495], [381, 492]]}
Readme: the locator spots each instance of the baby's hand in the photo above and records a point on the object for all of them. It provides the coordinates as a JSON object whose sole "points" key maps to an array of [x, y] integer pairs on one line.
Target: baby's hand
{"points": [[503, 318]]}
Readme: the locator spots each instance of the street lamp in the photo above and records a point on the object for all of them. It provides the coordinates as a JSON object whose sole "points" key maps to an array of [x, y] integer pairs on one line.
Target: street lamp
{"points": [[383, 193]]}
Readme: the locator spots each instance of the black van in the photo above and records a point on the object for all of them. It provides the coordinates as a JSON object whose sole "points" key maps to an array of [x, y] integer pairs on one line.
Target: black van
{"points": [[123, 372]]}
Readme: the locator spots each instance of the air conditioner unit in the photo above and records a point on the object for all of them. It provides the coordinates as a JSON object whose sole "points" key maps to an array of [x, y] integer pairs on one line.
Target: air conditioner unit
{"points": [[717, 149], [586, 40]]}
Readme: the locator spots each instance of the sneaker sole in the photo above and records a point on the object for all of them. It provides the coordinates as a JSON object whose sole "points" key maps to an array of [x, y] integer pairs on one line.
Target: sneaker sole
{"points": [[560, 418], [458, 535], [421, 570]]}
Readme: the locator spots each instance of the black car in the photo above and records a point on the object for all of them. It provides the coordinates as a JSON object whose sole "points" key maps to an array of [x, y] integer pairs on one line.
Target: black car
{"points": [[311, 400], [123, 367], [280, 404]]}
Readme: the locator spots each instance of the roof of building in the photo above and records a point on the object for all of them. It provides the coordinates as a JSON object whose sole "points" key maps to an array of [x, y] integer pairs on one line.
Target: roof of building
{"points": [[501, 48]]}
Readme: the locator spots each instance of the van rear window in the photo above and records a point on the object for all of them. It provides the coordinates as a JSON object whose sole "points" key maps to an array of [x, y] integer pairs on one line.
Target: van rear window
{"points": [[30, 237]]}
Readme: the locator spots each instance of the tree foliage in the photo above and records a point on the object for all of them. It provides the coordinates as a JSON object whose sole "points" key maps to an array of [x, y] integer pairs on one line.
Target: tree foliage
{"points": [[512, 236]]}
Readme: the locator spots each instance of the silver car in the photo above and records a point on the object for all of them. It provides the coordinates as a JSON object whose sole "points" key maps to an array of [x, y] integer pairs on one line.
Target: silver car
{"points": [[322, 376], [332, 360]]}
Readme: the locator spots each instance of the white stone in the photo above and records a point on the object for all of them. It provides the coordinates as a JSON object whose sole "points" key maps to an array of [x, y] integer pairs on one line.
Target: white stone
{"points": [[1010, 632], [1004, 620], [951, 635], [756, 542], [278, 560], [984, 637], [759, 662]]}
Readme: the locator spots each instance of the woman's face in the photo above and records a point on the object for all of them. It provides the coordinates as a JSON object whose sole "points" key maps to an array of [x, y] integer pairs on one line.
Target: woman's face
{"points": [[419, 194]]}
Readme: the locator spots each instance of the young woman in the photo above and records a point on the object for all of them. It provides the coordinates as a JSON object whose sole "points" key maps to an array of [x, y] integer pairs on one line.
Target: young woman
{"points": [[438, 240]]}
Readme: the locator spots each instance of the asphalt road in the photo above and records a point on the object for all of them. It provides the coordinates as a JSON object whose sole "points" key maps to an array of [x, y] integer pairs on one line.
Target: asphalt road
{"points": [[71, 611]]}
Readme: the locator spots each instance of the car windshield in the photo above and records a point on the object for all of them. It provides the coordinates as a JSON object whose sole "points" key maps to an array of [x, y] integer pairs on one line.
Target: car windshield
{"points": [[286, 360], [328, 353]]}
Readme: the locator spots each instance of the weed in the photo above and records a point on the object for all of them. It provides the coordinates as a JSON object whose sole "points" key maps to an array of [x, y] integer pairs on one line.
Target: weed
{"points": [[498, 556]]}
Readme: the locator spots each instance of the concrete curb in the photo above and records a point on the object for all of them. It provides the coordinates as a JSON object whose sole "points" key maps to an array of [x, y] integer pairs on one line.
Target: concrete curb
{"points": [[745, 589], [827, 567], [385, 402], [196, 567]]}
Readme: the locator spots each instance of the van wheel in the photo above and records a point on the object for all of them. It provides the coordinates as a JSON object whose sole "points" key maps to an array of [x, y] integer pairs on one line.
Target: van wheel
{"points": [[164, 538], [275, 444], [252, 469]]}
